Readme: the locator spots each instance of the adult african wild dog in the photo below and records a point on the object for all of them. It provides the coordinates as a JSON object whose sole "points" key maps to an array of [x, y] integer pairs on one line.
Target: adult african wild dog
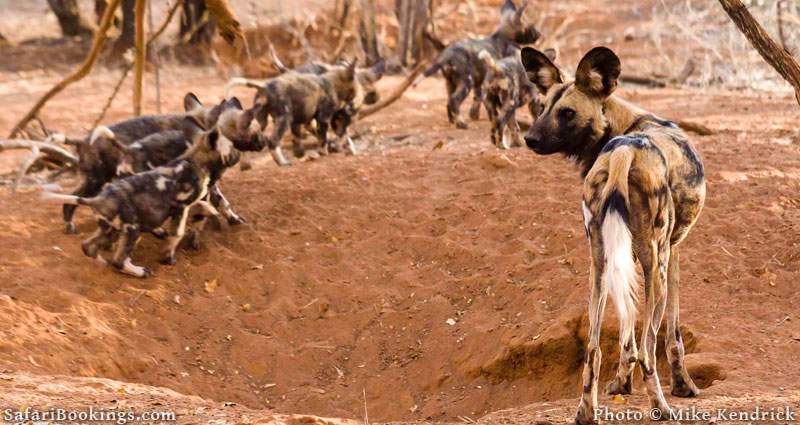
{"points": [[367, 94], [463, 70], [294, 100], [507, 88], [100, 155], [144, 201], [644, 187]]}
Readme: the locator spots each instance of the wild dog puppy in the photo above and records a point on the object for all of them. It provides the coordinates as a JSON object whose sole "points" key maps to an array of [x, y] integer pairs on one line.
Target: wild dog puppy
{"points": [[463, 70], [506, 88], [144, 201], [293, 100], [101, 154], [343, 118], [643, 190]]}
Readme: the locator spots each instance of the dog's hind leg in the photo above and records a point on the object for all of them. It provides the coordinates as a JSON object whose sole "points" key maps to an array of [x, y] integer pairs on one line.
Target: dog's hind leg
{"points": [[102, 237], [477, 101], [681, 383], [297, 141], [597, 304], [281, 125], [457, 92], [88, 188]]}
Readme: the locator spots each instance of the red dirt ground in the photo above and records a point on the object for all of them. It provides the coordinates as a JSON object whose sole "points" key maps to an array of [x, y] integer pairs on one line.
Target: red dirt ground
{"points": [[338, 291]]}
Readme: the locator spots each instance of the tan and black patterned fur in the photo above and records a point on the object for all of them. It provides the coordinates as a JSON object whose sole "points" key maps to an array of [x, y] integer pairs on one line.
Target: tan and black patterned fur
{"points": [[639, 170]]}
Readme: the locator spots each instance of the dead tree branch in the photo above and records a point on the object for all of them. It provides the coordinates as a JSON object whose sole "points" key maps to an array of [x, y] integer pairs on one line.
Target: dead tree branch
{"points": [[82, 71], [52, 150], [773, 54], [396, 94]]}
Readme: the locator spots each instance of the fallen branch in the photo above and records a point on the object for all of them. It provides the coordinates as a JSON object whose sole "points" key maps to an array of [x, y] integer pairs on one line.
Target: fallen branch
{"points": [[25, 166], [82, 71], [57, 153], [773, 54], [642, 80], [396, 94]]}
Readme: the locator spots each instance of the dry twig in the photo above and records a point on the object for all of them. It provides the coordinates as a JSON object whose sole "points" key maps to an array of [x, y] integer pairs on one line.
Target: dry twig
{"points": [[396, 94]]}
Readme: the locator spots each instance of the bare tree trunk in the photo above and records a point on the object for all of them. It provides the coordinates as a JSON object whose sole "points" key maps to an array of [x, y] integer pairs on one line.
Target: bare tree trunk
{"points": [[138, 70], [366, 30], [775, 55], [126, 38], [413, 16], [196, 28], [69, 18]]}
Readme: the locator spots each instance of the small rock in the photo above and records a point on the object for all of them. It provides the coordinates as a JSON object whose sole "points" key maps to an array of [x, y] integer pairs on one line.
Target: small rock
{"points": [[211, 285], [450, 321]]}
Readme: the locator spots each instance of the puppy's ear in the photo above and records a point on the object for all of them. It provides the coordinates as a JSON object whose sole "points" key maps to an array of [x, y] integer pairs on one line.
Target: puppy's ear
{"points": [[192, 129], [377, 70], [551, 53], [244, 120], [191, 102], [598, 72], [350, 71], [540, 69], [234, 102], [520, 11], [508, 7]]}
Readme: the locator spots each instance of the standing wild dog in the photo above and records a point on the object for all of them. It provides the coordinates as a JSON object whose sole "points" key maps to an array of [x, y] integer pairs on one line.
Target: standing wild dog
{"points": [[143, 202], [100, 155], [294, 100], [343, 117], [507, 88], [463, 70], [644, 187]]}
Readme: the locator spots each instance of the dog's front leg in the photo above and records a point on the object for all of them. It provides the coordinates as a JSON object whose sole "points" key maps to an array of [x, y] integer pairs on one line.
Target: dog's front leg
{"points": [[125, 246], [219, 201], [322, 136], [177, 228]]}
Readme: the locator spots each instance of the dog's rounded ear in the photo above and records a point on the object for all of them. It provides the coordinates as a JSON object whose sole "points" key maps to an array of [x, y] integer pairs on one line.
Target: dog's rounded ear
{"points": [[508, 7], [551, 53], [191, 102], [350, 71], [520, 11], [540, 69], [598, 72], [244, 120], [234, 102], [192, 129]]}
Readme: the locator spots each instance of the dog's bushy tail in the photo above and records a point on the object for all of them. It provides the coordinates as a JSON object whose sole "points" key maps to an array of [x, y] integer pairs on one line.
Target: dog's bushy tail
{"points": [[240, 82], [50, 193], [620, 270]]}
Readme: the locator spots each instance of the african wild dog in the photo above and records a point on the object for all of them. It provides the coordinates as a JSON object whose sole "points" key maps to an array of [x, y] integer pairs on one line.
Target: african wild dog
{"points": [[463, 70], [644, 187], [143, 202], [343, 117], [507, 88], [293, 100], [100, 155]]}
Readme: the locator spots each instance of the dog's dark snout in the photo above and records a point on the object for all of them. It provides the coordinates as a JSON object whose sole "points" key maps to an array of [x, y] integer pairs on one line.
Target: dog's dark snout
{"points": [[531, 142]]}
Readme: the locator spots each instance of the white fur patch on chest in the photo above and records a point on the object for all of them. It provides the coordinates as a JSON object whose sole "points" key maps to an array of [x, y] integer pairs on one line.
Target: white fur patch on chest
{"points": [[161, 183]]}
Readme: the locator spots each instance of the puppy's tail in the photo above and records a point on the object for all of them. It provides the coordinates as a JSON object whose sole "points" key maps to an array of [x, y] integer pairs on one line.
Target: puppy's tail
{"points": [[273, 56], [50, 194], [241, 82], [487, 58], [620, 270]]}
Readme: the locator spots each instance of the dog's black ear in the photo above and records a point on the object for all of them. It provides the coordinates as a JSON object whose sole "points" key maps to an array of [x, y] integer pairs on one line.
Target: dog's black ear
{"points": [[192, 128], [234, 102], [350, 71], [598, 72], [540, 69], [191, 102]]}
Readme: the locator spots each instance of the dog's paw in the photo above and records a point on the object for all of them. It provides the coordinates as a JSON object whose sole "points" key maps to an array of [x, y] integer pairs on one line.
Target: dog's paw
{"points": [[167, 260], [461, 125], [70, 229], [160, 233], [236, 220]]}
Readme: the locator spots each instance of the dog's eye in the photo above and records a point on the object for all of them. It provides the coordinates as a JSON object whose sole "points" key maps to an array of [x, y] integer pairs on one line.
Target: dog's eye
{"points": [[567, 113]]}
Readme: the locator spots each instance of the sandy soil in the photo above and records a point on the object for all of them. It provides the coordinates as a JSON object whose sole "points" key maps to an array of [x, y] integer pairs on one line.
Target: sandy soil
{"points": [[418, 277]]}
